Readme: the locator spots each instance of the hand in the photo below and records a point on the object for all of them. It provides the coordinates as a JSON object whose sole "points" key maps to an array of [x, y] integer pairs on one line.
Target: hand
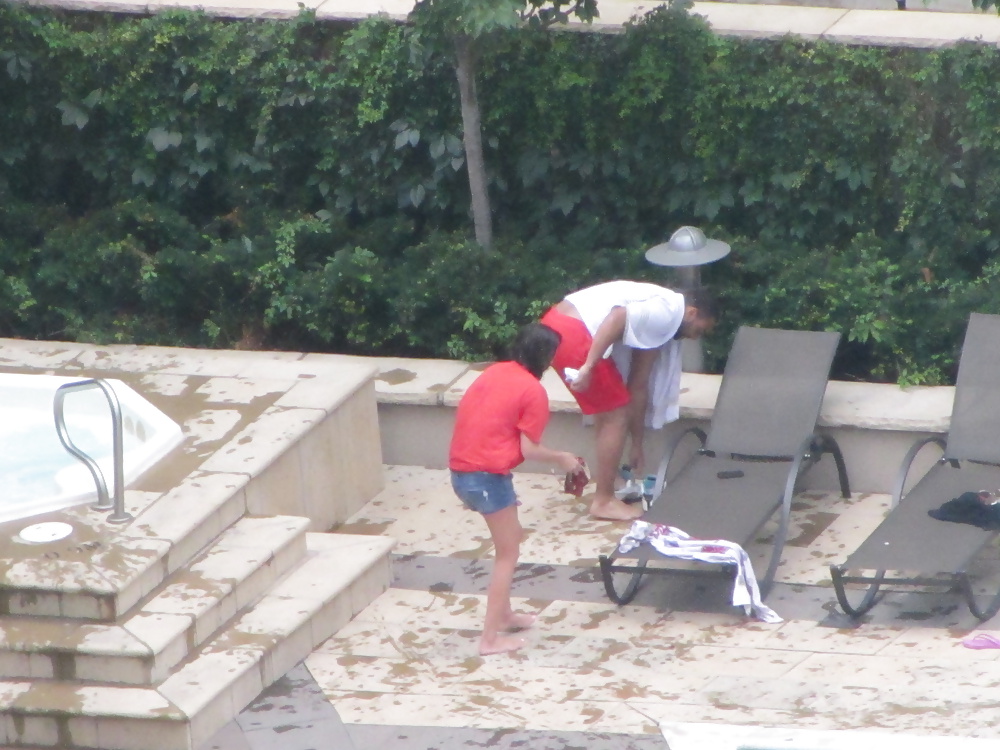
{"points": [[570, 463], [582, 381]]}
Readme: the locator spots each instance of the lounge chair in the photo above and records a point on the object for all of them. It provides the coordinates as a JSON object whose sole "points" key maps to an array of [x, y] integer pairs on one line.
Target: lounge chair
{"points": [[919, 550], [760, 442]]}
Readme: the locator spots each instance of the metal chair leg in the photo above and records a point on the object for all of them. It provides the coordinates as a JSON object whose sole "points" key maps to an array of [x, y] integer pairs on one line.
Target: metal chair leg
{"points": [[868, 600], [828, 445], [980, 613], [633, 574]]}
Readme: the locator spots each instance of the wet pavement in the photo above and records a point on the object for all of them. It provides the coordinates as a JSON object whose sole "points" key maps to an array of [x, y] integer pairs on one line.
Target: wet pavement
{"points": [[405, 673]]}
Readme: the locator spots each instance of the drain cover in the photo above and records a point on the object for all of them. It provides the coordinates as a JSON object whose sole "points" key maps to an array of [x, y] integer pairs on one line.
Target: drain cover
{"points": [[46, 532]]}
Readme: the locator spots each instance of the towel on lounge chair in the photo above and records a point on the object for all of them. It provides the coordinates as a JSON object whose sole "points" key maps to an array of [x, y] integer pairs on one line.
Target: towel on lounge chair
{"points": [[673, 542]]}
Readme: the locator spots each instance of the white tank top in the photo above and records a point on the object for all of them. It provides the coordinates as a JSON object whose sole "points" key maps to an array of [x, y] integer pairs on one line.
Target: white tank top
{"points": [[653, 313]]}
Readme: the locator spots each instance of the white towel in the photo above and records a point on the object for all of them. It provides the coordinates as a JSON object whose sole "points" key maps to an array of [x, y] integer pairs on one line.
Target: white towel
{"points": [[664, 381], [673, 542]]}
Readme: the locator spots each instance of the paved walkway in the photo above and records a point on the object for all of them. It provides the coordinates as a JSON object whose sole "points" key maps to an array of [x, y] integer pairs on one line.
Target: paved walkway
{"points": [[678, 663], [931, 24]]}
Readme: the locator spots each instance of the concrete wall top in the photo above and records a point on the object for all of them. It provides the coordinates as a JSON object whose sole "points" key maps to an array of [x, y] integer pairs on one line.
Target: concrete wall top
{"points": [[869, 406], [440, 382], [912, 28]]}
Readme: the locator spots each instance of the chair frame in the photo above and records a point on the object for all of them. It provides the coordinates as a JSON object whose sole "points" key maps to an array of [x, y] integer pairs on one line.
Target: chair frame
{"points": [[810, 452], [970, 446], [946, 581]]}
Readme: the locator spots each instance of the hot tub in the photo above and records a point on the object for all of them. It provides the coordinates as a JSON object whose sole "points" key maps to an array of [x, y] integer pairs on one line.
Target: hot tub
{"points": [[39, 475]]}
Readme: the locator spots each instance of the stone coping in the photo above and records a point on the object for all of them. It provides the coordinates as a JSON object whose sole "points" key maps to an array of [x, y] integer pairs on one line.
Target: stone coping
{"points": [[239, 410], [318, 381], [441, 382], [912, 28], [864, 406]]}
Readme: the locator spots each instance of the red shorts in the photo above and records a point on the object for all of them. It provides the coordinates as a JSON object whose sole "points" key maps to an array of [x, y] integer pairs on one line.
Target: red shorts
{"points": [[607, 390]]}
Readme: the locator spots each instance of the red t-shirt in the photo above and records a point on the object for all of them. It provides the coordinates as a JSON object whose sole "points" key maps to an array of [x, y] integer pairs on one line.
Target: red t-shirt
{"points": [[503, 402]]}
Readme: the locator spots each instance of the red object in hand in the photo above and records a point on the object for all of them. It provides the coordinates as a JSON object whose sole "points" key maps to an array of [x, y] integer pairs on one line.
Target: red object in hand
{"points": [[577, 480]]}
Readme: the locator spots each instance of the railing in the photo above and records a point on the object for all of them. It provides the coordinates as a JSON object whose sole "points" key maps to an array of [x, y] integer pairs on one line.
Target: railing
{"points": [[104, 502]]}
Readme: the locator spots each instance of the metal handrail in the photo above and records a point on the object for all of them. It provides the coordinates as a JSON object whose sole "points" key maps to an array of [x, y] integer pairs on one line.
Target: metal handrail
{"points": [[103, 502]]}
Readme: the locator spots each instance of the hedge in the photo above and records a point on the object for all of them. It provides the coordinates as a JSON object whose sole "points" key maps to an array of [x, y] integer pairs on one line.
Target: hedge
{"points": [[180, 179]]}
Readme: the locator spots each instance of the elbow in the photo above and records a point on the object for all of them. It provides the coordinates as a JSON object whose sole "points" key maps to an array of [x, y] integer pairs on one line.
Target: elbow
{"points": [[529, 449]]}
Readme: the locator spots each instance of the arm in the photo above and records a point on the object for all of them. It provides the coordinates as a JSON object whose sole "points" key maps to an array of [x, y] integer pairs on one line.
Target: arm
{"points": [[533, 451], [611, 330], [638, 388]]}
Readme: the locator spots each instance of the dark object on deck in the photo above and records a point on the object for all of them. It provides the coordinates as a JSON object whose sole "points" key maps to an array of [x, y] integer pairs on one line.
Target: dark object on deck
{"points": [[970, 507], [759, 444], [936, 554]]}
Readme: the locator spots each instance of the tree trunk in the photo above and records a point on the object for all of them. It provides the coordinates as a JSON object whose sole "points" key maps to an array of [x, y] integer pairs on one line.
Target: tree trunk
{"points": [[475, 164]]}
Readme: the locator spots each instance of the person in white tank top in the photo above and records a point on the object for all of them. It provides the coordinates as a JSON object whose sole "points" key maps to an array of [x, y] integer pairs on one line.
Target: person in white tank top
{"points": [[644, 320]]}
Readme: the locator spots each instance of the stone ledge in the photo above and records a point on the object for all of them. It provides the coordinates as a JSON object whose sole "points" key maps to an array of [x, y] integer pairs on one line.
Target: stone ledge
{"points": [[863, 406], [913, 29], [877, 406], [440, 382]]}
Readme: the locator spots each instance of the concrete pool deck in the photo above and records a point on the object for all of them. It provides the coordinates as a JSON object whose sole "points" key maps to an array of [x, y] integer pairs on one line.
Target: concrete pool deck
{"points": [[677, 669]]}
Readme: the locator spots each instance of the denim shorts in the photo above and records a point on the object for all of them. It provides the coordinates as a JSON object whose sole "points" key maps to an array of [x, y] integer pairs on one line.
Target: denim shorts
{"points": [[484, 492]]}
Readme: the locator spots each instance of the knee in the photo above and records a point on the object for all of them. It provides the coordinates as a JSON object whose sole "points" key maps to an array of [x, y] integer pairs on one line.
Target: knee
{"points": [[617, 417], [511, 548]]}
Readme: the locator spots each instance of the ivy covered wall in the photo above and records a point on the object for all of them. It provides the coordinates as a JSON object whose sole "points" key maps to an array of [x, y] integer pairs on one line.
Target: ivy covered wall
{"points": [[179, 179]]}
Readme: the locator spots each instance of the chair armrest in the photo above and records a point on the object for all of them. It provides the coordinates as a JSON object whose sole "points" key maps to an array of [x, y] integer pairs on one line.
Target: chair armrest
{"points": [[904, 467]]}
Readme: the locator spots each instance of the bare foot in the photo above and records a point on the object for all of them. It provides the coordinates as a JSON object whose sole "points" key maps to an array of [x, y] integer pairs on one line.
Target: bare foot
{"points": [[518, 621], [613, 509], [502, 644]]}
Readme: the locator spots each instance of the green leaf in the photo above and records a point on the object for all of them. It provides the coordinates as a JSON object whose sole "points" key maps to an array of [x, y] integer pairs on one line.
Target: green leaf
{"points": [[142, 176], [163, 139], [93, 98], [454, 144], [73, 115], [565, 202], [203, 142]]}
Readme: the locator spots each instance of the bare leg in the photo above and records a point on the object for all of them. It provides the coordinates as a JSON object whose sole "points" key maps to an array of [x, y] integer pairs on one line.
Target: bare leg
{"points": [[505, 528], [611, 430]]}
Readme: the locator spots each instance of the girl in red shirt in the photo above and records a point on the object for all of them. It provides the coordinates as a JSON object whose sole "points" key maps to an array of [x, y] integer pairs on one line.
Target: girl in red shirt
{"points": [[499, 424]]}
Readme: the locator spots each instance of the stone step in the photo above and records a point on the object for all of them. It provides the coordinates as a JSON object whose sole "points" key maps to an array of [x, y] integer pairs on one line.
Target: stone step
{"points": [[101, 571], [339, 576], [140, 649]]}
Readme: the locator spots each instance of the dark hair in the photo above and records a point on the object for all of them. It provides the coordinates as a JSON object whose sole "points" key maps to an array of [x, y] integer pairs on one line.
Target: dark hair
{"points": [[534, 347], [703, 301]]}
